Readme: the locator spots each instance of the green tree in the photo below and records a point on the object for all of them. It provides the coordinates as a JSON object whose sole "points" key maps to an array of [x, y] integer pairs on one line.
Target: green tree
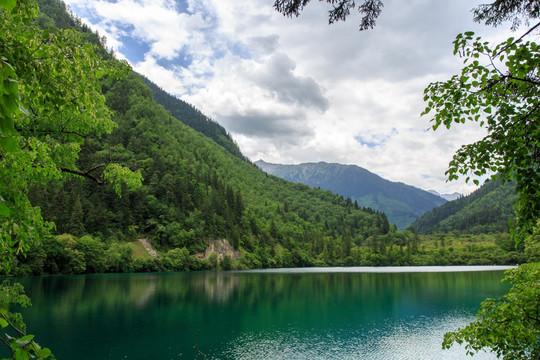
{"points": [[510, 325], [341, 9], [94, 254], [76, 221], [50, 101], [499, 89], [532, 246], [178, 259], [226, 263]]}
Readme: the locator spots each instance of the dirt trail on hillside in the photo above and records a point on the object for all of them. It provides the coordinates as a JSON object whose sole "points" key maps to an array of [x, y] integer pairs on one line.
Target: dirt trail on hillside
{"points": [[148, 247]]}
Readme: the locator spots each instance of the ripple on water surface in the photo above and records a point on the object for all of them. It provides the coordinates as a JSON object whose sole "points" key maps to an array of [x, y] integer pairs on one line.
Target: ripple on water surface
{"points": [[418, 339]]}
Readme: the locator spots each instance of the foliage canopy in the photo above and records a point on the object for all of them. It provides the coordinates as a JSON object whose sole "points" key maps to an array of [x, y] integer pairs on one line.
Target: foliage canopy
{"points": [[51, 102], [341, 9], [519, 12], [498, 88], [510, 325]]}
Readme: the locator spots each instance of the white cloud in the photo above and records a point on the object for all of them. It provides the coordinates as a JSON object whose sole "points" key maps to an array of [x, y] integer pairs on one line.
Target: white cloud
{"points": [[298, 90]]}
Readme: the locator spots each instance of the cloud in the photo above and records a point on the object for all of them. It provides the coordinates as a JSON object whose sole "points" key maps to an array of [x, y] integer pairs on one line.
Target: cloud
{"points": [[260, 98], [278, 79], [263, 45], [157, 23], [260, 124], [374, 140], [298, 90]]}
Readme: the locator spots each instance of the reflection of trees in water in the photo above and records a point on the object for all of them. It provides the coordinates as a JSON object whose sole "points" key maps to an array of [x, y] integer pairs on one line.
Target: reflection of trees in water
{"points": [[225, 305], [133, 291], [217, 287], [82, 293], [295, 294], [146, 292]]}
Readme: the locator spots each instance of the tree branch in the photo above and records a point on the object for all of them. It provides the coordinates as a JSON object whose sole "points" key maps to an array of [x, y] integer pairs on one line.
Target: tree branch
{"points": [[7, 344], [87, 174], [197, 345], [531, 81], [518, 40], [21, 333]]}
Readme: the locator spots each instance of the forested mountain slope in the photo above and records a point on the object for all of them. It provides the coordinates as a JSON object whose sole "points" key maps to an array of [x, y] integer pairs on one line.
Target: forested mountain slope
{"points": [[194, 118], [486, 210], [195, 189], [401, 203]]}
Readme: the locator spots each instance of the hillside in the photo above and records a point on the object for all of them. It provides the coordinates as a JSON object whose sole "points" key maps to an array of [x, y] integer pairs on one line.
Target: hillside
{"points": [[401, 203], [197, 193], [486, 210], [197, 188], [194, 118]]}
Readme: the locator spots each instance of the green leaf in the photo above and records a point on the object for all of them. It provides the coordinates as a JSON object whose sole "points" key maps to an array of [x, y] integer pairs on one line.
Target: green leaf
{"points": [[21, 354], [9, 104], [3, 322], [46, 352], [8, 4], [25, 338], [9, 144], [10, 86], [4, 210]]}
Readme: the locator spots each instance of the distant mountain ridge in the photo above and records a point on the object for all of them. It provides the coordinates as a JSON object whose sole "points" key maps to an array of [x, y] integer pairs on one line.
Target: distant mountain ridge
{"points": [[194, 118], [448, 197], [400, 202]]}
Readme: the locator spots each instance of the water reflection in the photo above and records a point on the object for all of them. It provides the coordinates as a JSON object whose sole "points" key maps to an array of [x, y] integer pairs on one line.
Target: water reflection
{"points": [[218, 287], [283, 315], [403, 341]]}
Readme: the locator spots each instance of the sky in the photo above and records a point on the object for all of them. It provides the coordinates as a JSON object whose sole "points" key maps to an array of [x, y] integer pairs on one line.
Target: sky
{"points": [[295, 90]]}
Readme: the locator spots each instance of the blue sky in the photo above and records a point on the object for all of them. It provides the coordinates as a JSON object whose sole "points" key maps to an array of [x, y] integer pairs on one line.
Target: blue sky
{"points": [[297, 90]]}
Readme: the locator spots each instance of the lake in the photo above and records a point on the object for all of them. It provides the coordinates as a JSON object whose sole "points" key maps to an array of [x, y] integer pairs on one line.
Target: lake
{"points": [[321, 313]]}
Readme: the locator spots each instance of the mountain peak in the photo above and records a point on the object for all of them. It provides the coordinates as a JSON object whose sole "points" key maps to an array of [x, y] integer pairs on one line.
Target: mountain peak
{"points": [[402, 203], [448, 197]]}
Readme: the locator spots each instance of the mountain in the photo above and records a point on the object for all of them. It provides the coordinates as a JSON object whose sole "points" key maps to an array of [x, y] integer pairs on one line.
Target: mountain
{"points": [[194, 118], [447, 197], [400, 202], [197, 188], [486, 210], [197, 191]]}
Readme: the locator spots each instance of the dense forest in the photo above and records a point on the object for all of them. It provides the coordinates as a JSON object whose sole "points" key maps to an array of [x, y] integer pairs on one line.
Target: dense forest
{"points": [[194, 118], [487, 210], [197, 187], [401, 203], [98, 166]]}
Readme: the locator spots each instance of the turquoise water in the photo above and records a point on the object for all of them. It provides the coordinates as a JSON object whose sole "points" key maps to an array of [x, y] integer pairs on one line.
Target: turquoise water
{"points": [[331, 313]]}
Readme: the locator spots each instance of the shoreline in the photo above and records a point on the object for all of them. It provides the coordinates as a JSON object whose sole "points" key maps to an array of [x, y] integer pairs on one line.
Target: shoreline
{"points": [[385, 269]]}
